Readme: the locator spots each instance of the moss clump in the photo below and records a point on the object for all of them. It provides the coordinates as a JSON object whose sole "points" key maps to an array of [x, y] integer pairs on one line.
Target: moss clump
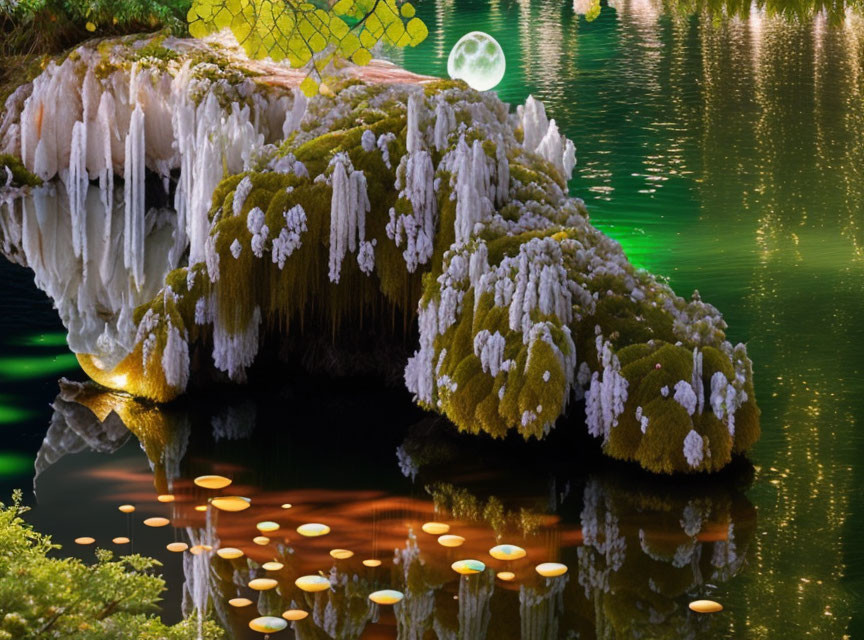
{"points": [[21, 177]]}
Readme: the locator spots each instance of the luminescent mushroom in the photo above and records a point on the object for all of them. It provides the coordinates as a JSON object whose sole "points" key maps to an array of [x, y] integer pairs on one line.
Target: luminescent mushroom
{"points": [[212, 482], [507, 552], [551, 569], [267, 526], [435, 528], [706, 606], [451, 541], [272, 566], [312, 583], [386, 596], [200, 507], [288, 505], [313, 529], [261, 540], [231, 503], [267, 624], [341, 554], [120, 540], [198, 549], [468, 567], [229, 553], [506, 576], [126, 508], [239, 602], [84, 540], [295, 614], [263, 584], [177, 547], [371, 562], [157, 522], [165, 497]]}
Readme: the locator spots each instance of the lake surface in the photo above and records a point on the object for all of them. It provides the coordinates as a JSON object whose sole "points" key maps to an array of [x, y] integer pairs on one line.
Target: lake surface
{"points": [[727, 156]]}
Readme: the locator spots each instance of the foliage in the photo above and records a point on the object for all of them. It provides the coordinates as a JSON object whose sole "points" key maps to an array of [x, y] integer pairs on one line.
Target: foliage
{"points": [[10, 165], [43, 596], [304, 33]]}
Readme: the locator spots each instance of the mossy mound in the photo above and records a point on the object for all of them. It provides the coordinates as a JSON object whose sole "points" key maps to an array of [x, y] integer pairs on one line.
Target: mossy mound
{"points": [[13, 173]]}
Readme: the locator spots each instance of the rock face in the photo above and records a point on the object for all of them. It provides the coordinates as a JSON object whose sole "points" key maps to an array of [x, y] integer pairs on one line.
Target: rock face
{"points": [[386, 196]]}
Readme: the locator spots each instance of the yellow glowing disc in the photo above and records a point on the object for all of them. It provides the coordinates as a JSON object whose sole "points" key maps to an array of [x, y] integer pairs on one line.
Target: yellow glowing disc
{"points": [[387, 596], [372, 563], [706, 606], [229, 553], [451, 541], [120, 540], [507, 552], [288, 505], [239, 602], [551, 569], [231, 503], [198, 549], [295, 614], [261, 540], [341, 554], [177, 547], [312, 583], [165, 497], [126, 508], [435, 528], [468, 567], [267, 624], [157, 522], [267, 526], [212, 482], [200, 507], [506, 576], [84, 540], [263, 584], [313, 529], [272, 566]]}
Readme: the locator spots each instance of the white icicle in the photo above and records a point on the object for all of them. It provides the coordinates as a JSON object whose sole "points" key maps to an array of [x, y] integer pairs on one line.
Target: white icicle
{"points": [[134, 177]]}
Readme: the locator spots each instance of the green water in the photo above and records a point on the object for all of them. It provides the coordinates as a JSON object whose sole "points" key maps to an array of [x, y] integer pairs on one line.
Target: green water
{"points": [[730, 158]]}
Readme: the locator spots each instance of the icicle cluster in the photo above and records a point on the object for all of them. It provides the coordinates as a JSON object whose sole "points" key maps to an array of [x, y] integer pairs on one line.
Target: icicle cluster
{"points": [[348, 209], [606, 396]]}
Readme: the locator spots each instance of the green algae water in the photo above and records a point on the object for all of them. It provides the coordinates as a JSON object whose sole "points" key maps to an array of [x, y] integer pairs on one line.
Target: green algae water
{"points": [[725, 155]]}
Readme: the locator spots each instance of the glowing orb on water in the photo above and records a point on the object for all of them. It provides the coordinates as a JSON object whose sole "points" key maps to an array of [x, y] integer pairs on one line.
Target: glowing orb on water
{"points": [[371, 563], [267, 526], [165, 497], [435, 528], [84, 540], [272, 566], [212, 482], [177, 547], [229, 553], [198, 549], [506, 576], [451, 541], [386, 596], [312, 583], [468, 567], [263, 584], [120, 540], [341, 554], [313, 529], [126, 508], [478, 60], [239, 602], [507, 552], [295, 614], [156, 522], [706, 606], [288, 505], [551, 569], [267, 624], [261, 540], [201, 507], [231, 503]]}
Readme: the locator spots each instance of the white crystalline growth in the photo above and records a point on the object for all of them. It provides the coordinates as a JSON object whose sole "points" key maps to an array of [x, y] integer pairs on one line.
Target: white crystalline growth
{"points": [[541, 136], [259, 231], [606, 396], [535, 124], [236, 248], [725, 400], [366, 256], [419, 372], [696, 381], [693, 448], [472, 204], [175, 358], [235, 352], [686, 397], [241, 192], [368, 140], [289, 238], [416, 231], [348, 208], [133, 196], [541, 283], [445, 122], [489, 347]]}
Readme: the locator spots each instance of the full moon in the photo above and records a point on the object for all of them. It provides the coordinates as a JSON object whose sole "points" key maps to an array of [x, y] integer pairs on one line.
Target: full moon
{"points": [[478, 60]]}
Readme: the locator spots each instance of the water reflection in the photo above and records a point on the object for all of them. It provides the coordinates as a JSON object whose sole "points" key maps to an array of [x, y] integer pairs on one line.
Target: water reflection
{"points": [[632, 551]]}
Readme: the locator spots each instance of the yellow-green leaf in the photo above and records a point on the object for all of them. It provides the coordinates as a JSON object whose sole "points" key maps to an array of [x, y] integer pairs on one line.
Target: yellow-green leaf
{"points": [[309, 87]]}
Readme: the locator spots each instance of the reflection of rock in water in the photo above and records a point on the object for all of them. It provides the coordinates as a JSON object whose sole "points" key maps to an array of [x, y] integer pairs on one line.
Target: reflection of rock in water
{"points": [[81, 270]]}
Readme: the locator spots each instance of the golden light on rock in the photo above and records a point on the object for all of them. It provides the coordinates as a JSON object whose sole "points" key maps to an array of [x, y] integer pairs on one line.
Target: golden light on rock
{"points": [[507, 552], [198, 549], [231, 503], [212, 482], [706, 606], [157, 522], [229, 553], [551, 569], [177, 547], [267, 624], [386, 596], [288, 505], [272, 566], [239, 602], [267, 526], [506, 576], [341, 554], [261, 540], [313, 529], [84, 540], [120, 540], [312, 583], [165, 497], [435, 528], [200, 507], [372, 563], [451, 541], [468, 567], [126, 508], [263, 584], [295, 614]]}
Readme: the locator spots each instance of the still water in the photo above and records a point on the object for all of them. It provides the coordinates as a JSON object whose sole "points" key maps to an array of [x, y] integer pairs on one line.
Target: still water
{"points": [[725, 155]]}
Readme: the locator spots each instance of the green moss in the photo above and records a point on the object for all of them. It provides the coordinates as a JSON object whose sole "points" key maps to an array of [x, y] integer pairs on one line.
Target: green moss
{"points": [[21, 177]]}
